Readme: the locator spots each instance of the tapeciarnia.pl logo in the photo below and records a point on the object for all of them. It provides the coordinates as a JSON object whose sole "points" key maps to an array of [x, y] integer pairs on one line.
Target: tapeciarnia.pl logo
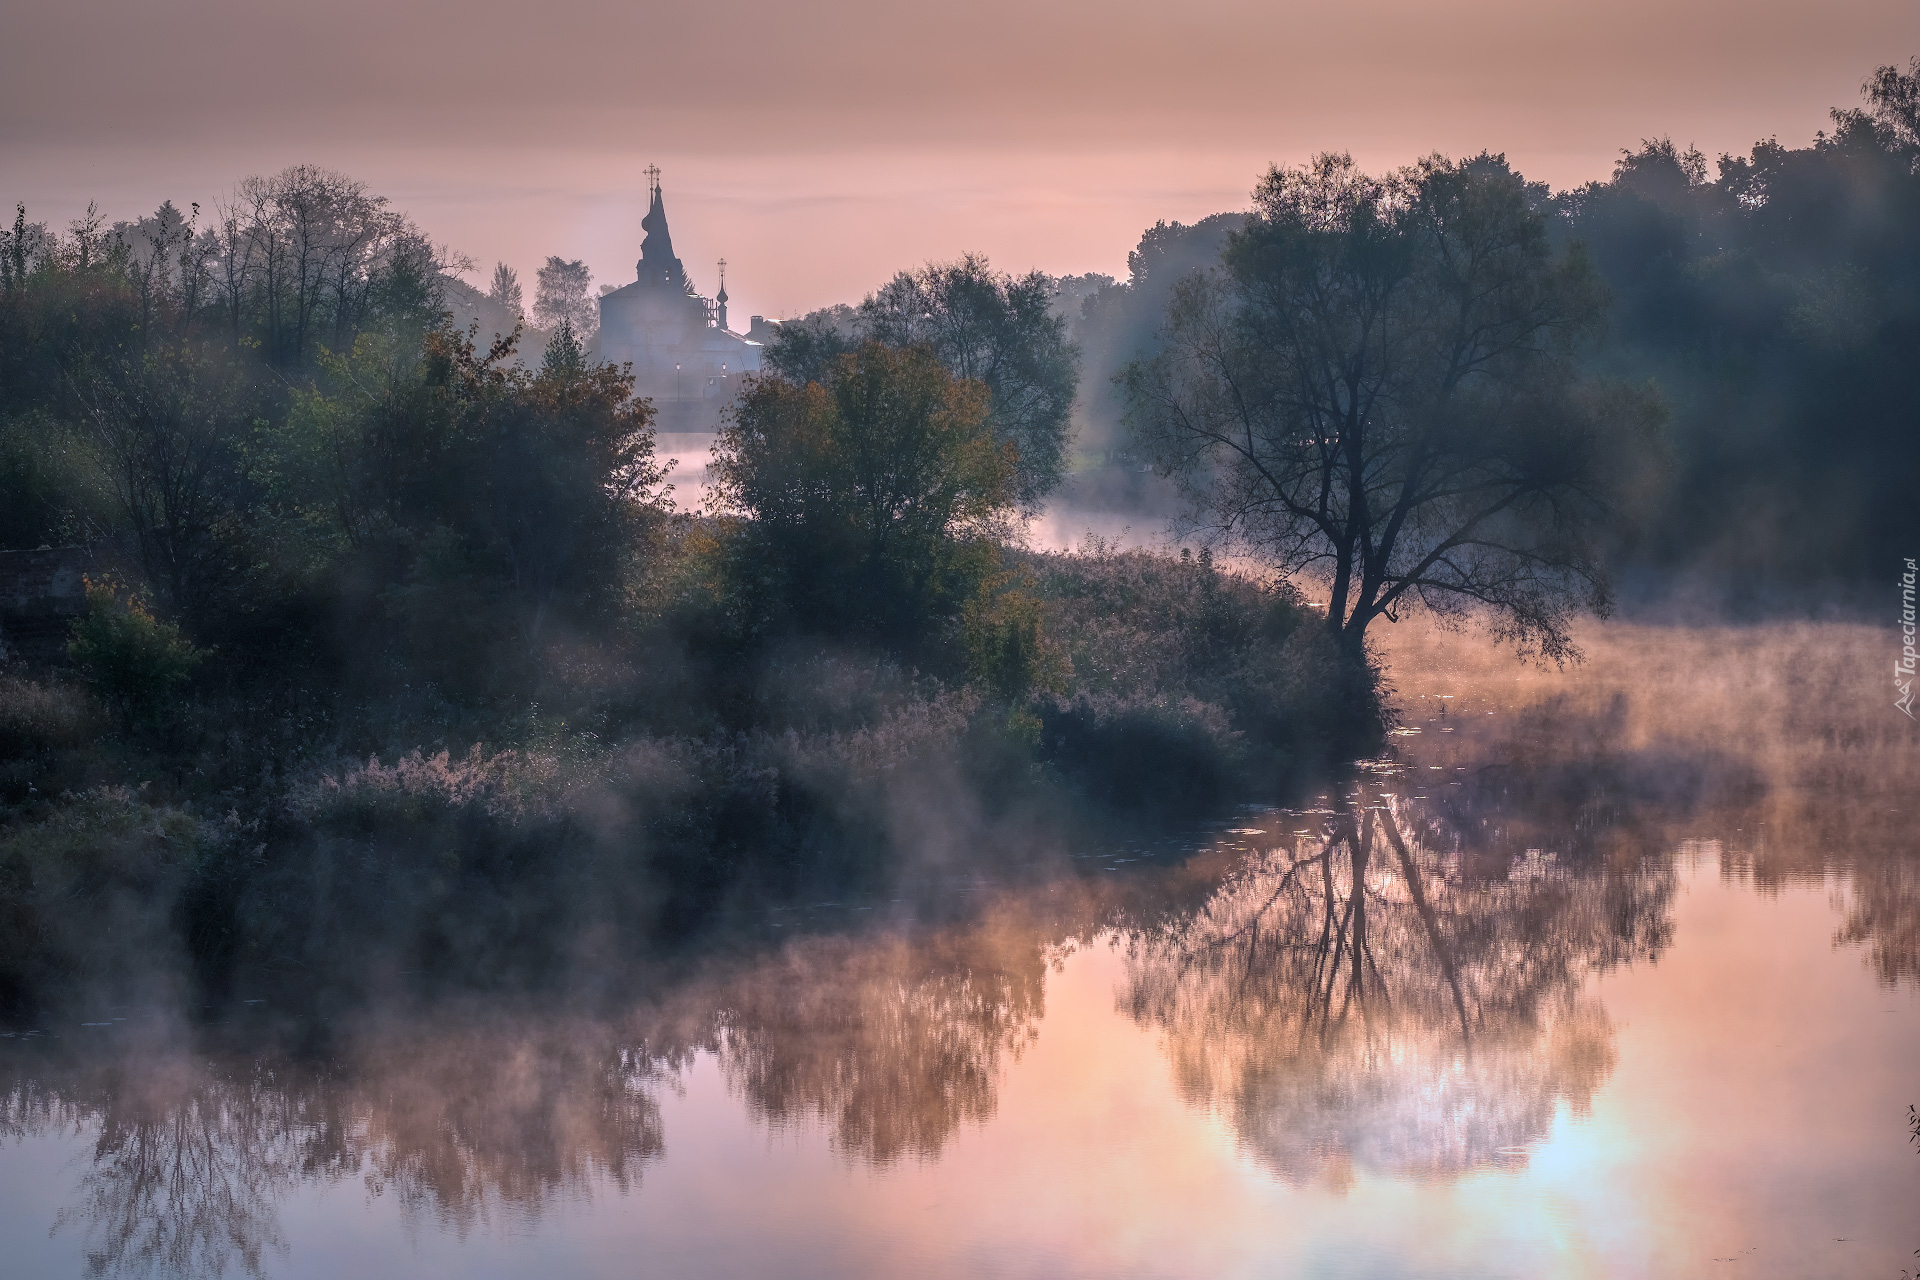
{"points": [[1904, 664]]}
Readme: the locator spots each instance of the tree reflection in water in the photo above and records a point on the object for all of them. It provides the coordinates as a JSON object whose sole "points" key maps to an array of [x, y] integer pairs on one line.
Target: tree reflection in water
{"points": [[1401, 991], [186, 1171], [192, 1159], [1359, 999], [892, 1046]]}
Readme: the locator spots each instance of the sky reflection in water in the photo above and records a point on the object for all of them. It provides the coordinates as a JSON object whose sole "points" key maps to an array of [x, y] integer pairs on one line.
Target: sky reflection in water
{"points": [[1618, 979]]}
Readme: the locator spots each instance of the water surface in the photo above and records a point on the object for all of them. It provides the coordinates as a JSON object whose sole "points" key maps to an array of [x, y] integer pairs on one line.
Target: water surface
{"points": [[1600, 973]]}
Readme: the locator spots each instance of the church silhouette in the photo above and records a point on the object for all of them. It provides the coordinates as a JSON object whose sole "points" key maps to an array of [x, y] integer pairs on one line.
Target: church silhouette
{"points": [[684, 357]]}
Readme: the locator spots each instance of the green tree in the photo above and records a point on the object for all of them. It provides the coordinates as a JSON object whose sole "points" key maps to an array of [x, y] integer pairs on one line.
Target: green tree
{"points": [[996, 329], [873, 501], [563, 291], [999, 330], [134, 662], [1378, 388], [439, 465], [1778, 306], [505, 290]]}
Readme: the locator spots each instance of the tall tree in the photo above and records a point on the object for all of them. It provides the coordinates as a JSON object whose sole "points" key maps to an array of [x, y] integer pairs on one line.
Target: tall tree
{"points": [[1000, 331], [505, 290], [870, 495], [987, 326], [564, 292], [1377, 387]]}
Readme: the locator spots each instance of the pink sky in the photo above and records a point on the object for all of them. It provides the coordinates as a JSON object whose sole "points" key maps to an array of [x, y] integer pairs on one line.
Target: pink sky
{"points": [[820, 147]]}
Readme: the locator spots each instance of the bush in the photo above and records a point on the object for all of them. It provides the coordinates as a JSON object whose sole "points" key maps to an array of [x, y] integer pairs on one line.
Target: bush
{"points": [[43, 731], [37, 718], [1188, 682], [872, 502], [88, 891], [1164, 755], [1009, 650], [133, 661]]}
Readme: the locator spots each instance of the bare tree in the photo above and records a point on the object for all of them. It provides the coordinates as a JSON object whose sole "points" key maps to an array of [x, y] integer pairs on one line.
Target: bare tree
{"points": [[1377, 388], [305, 252], [231, 255], [158, 248]]}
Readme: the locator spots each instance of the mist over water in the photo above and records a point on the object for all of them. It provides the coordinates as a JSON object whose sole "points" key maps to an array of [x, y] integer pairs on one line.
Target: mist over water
{"points": [[974, 710], [1506, 1001], [1068, 519]]}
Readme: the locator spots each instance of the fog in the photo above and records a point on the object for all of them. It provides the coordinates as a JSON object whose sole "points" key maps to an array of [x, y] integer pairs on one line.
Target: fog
{"points": [[1278, 664], [1533, 841], [1044, 137]]}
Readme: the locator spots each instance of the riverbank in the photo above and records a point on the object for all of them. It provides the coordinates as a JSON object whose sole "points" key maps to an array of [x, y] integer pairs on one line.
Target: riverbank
{"points": [[340, 842]]}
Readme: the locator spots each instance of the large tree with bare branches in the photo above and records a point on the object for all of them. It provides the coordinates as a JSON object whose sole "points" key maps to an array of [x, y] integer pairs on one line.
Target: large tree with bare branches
{"points": [[1377, 387]]}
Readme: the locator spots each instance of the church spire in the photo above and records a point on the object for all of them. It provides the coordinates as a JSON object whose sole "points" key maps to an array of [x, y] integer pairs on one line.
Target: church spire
{"points": [[657, 265], [720, 299]]}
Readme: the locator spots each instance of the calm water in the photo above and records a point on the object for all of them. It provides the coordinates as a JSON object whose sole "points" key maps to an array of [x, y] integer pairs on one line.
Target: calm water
{"points": [[1606, 973]]}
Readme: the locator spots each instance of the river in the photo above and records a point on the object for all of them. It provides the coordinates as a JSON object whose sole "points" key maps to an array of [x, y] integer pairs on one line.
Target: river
{"points": [[1604, 972]]}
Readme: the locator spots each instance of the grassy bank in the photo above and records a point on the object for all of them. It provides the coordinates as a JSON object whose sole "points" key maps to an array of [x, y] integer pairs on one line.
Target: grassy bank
{"points": [[639, 790]]}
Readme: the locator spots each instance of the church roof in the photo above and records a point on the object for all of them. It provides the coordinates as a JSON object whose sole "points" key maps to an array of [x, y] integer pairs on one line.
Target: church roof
{"points": [[658, 246], [657, 265]]}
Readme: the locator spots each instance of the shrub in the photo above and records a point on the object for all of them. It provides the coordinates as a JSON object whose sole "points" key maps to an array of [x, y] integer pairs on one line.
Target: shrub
{"points": [[36, 718], [1008, 648], [132, 660], [88, 890], [418, 789], [1150, 638], [874, 499], [1164, 755], [44, 730]]}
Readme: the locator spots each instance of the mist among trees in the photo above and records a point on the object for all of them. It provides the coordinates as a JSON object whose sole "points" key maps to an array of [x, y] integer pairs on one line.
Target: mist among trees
{"points": [[396, 657]]}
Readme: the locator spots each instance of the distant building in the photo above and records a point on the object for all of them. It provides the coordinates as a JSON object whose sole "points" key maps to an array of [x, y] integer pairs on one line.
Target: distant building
{"points": [[683, 355]]}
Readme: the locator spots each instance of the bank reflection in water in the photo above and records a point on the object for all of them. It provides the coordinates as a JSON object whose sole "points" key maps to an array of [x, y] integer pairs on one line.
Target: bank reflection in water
{"points": [[1363, 998], [1403, 989], [193, 1156], [890, 1046]]}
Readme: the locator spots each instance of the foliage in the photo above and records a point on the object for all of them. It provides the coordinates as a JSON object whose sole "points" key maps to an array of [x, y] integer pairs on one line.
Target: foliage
{"points": [[37, 717], [563, 294], [84, 892], [1116, 323], [135, 663], [1776, 306], [46, 728], [874, 498], [504, 290], [462, 483], [993, 328], [1009, 649], [1378, 389], [164, 430], [137, 359], [1188, 682]]}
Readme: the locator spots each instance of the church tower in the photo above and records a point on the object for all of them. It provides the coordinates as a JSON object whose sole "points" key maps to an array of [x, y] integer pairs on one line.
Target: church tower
{"points": [[675, 342], [657, 266]]}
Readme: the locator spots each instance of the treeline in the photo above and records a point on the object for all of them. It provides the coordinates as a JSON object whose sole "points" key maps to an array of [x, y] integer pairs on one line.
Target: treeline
{"points": [[396, 650], [1771, 299], [398, 661]]}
